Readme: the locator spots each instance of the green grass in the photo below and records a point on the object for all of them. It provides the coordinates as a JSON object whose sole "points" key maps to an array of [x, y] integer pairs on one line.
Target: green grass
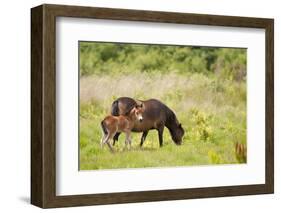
{"points": [[212, 112]]}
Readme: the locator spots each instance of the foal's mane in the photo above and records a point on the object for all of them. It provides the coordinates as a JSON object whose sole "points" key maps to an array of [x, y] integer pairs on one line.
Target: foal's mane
{"points": [[137, 103]]}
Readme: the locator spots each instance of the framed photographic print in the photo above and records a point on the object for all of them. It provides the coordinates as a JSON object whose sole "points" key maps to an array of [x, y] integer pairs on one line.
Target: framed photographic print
{"points": [[136, 106]]}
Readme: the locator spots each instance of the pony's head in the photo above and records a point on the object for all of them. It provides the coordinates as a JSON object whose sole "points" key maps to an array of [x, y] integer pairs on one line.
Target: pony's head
{"points": [[177, 134]]}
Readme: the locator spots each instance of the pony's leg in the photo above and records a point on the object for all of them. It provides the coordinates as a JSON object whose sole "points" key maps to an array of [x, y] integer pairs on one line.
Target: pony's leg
{"points": [[143, 137], [160, 135], [115, 138]]}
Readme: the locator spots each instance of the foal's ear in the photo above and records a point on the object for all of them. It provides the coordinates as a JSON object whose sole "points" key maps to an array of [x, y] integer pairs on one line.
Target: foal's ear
{"points": [[180, 125], [139, 104]]}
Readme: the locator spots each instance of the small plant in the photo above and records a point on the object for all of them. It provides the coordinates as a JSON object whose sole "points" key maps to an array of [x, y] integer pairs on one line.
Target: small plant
{"points": [[214, 158], [202, 130], [241, 152]]}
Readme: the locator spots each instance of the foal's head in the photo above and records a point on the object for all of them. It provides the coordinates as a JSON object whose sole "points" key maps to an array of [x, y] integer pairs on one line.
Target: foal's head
{"points": [[137, 112]]}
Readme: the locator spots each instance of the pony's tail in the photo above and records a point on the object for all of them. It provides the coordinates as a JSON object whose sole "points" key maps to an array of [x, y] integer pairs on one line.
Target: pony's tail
{"points": [[114, 108], [103, 127]]}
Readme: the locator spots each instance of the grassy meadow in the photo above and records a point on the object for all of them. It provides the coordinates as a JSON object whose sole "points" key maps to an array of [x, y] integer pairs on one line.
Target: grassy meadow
{"points": [[205, 87]]}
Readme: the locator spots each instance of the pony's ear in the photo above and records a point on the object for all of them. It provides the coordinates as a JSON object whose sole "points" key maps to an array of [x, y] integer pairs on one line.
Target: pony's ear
{"points": [[180, 125]]}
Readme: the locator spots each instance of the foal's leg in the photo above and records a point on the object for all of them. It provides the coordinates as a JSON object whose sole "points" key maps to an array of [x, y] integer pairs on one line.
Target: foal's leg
{"points": [[107, 141], [108, 138], [102, 140], [128, 139], [109, 145], [143, 137]]}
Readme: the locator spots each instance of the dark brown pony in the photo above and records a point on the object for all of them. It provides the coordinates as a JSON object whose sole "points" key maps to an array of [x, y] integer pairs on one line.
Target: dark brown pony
{"points": [[156, 115]]}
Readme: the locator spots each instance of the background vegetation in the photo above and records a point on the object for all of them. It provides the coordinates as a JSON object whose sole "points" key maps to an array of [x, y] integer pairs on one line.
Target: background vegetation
{"points": [[206, 88]]}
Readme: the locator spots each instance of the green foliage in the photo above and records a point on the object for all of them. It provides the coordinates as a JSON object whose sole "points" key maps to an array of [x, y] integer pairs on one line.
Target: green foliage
{"points": [[231, 64], [214, 158], [104, 58]]}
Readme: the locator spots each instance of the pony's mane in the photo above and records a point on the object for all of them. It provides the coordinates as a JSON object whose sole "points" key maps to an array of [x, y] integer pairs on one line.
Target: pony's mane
{"points": [[172, 123], [171, 117]]}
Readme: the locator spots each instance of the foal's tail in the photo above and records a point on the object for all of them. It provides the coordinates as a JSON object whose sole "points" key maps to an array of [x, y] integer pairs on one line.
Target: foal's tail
{"points": [[114, 108], [103, 127]]}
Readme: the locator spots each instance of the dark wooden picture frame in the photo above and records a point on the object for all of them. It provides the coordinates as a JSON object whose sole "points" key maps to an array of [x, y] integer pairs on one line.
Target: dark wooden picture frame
{"points": [[43, 105]]}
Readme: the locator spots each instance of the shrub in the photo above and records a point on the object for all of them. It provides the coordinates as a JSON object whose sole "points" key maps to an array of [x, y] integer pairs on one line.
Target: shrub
{"points": [[202, 130]]}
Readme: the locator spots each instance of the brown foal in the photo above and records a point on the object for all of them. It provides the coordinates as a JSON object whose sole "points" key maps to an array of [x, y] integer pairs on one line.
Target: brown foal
{"points": [[122, 123]]}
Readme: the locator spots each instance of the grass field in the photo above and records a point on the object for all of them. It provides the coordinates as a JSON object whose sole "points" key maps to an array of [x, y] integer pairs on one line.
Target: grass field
{"points": [[212, 111]]}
